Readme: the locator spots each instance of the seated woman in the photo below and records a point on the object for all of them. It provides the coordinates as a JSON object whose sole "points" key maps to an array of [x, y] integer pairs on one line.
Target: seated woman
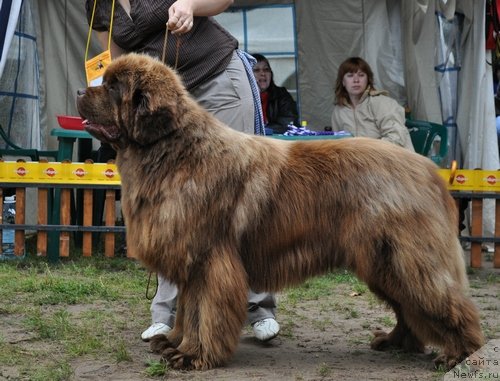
{"points": [[364, 111], [278, 107]]}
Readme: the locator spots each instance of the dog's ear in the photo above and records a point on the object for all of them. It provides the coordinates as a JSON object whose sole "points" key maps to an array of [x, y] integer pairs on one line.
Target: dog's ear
{"points": [[151, 123]]}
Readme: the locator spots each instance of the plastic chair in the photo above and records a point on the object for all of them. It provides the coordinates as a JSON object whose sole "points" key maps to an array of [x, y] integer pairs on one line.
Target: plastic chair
{"points": [[12, 149], [423, 134]]}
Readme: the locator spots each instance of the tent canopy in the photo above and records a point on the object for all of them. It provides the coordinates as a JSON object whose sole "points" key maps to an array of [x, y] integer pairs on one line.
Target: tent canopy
{"points": [[401, 41]]}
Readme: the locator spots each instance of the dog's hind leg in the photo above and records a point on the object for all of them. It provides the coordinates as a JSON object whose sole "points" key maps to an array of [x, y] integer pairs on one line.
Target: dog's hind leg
{"points": [[439, 313], [452, 323], [215, 307], [401, 336]]}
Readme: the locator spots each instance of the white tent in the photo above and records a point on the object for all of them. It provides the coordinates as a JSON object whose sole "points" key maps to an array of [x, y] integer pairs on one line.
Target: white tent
{"points": [[400, 39]]}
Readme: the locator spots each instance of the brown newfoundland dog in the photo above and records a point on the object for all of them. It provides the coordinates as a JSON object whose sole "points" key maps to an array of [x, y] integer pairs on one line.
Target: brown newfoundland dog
{"points": [[217, 211]]}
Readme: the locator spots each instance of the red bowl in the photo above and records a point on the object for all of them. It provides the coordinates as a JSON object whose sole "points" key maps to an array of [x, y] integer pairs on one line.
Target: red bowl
{"points": [[70, 122]]}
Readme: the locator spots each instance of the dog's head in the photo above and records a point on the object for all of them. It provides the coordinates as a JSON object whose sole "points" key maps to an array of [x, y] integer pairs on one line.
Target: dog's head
{"points": [[137, 102]]}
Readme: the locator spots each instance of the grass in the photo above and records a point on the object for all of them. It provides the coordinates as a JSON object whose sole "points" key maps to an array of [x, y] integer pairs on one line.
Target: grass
{"points": [[324, 370], [66, 311], [320, 287], [155, 368], [94, 308], [59, 371], [79, 307]]}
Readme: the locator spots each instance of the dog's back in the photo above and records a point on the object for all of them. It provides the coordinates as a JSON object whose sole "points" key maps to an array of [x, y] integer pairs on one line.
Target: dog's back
{"points": [[345, 203]]}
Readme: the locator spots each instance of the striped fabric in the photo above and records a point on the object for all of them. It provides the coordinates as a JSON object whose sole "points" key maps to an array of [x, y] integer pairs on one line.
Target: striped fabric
{"points": [[248, 62]]}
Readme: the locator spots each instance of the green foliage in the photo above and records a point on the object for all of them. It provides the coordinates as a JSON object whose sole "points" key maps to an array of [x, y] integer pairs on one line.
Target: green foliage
{"points": [[324, 370], [319, 287], [60, 371], [72, 309], [121, 352], [54, 327], [387, 321], [156, 368]]}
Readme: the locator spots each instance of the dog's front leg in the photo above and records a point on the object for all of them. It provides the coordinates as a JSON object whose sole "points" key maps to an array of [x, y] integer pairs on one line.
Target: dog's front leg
{"points": [[160, 343], [214, 304]]}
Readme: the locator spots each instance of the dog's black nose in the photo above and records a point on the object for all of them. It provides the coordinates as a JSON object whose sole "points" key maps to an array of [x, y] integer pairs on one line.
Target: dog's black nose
{"points": [[80, 92]]}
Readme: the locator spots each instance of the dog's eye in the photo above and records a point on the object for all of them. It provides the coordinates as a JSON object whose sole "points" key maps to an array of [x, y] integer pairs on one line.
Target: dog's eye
{"points": [[114, 92]]}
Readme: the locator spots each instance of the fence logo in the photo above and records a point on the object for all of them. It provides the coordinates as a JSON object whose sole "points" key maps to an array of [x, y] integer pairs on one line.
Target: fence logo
{"points": [[21, 171], [51, 172], [109, 173], [484, 364], [80, 172], [492, 180]]}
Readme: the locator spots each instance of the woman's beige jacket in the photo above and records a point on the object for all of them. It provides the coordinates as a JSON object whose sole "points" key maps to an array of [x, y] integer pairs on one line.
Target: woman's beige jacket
{"points": [[376, 116]]}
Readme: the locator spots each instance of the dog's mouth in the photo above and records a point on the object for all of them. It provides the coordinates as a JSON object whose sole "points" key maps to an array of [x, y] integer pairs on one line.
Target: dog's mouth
{"points": [[107, 134]]}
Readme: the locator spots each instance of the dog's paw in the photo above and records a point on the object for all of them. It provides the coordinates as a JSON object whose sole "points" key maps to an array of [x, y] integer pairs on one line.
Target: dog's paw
{"points": [[397, 339], [379, 332], [381, 341], [159, 344], [177, 360], [446, 362]]}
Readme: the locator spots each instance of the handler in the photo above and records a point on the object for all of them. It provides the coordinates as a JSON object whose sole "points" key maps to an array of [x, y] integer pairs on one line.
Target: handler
{"points": [[216, 74]]}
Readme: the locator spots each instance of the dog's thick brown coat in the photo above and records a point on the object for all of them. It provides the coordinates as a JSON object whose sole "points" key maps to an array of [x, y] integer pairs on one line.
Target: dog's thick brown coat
{"points": [[217, 211]]}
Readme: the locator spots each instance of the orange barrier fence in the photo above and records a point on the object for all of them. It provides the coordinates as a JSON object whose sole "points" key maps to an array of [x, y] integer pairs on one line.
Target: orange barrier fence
{"points": [[65, 197], [57, 184], [67, 225], [476, 238], [473, 186]]}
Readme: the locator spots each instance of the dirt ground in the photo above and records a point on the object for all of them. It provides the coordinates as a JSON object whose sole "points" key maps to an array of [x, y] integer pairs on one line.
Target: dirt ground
{"points": [[325, 339]]}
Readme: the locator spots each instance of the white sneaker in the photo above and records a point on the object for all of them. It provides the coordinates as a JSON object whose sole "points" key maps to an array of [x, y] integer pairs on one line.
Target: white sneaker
{"points": [[488, 248], [155, 329], [266, 329]]}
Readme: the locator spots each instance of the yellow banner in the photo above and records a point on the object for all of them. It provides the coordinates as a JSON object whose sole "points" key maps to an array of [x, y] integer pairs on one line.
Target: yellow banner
{"points": [[476, 180], [59, 173], [102, 173]]}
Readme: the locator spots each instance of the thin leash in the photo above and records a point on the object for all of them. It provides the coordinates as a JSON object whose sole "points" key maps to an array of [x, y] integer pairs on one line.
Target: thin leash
{"points": [[177, 47], [149, 284]]}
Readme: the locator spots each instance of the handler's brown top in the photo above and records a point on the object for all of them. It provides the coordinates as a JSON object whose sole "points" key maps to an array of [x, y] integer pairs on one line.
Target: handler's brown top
{"points": [[204, 52]]}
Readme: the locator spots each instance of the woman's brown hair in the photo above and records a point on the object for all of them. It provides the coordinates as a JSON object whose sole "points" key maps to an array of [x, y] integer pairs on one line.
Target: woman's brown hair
{"points": [[351, 65]]}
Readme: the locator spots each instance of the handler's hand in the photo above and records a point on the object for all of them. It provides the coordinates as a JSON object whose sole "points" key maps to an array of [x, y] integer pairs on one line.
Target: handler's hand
{"points": [[180, 17]]}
